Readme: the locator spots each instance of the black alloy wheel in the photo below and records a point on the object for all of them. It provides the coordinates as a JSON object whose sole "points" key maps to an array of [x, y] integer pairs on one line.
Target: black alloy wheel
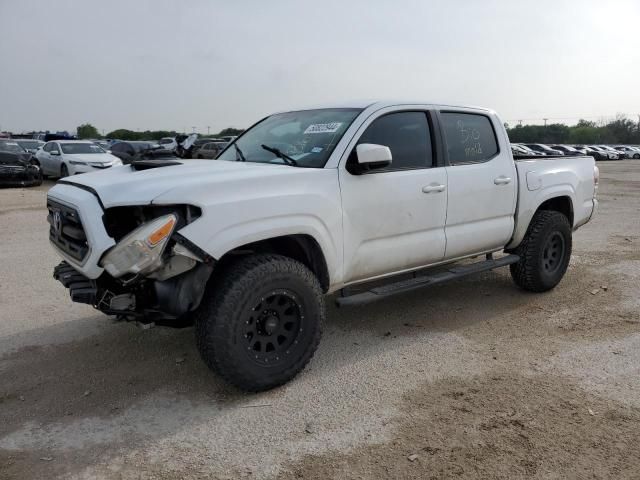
{"points": [[553, 253], [273, 326]]}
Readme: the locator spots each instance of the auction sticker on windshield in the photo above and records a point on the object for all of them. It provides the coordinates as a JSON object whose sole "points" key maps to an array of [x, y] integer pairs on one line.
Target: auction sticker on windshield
{"points": [[332, 127]]}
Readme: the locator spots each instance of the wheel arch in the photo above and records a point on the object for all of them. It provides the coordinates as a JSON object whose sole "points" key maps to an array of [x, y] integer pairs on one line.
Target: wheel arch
{"points": [[559, 201], [301, 247], [562, 204]]}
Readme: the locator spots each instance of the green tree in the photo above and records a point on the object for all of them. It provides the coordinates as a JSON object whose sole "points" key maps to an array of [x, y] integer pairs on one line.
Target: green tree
{"points": [[229, 131], [86, 130], [124, 134]]}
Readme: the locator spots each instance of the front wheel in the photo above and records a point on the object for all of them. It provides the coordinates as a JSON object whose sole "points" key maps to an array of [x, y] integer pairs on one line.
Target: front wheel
{"points": [[64, 171], [544, 252], [260, 321], [636, 155]]}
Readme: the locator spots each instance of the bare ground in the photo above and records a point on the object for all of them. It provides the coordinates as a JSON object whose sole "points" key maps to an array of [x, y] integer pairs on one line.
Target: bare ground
{"points": [[475, 378]]}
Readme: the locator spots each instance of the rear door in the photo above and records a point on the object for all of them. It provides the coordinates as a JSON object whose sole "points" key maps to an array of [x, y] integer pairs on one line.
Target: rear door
{"points": [[394, 217], [482, 186]]}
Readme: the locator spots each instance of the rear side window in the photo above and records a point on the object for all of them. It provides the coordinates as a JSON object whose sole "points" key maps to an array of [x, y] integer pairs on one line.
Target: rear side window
{"points": [[407, 136], [469, 137]]}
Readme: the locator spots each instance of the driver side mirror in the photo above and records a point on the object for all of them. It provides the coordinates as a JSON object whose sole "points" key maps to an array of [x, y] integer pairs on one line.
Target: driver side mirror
{"points": [[371, 156]]}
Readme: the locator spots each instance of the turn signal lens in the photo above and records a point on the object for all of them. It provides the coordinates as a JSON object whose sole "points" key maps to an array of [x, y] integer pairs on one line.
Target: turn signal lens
{"points": [[161, 233]]}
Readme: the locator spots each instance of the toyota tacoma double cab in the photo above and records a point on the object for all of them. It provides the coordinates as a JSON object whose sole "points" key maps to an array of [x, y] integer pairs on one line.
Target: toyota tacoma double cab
{"points": [[361, 201]]}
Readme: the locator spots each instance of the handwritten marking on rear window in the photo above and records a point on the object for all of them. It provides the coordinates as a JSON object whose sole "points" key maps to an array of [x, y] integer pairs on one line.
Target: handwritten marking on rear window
{"points": [[470, 138], [323, 127]]}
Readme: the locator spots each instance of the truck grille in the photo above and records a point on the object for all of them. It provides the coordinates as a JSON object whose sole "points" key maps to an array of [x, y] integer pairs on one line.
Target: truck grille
{"points": [[66, 230], [11, 169]]}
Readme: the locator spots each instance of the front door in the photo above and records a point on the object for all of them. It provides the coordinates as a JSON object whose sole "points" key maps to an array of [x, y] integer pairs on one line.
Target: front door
{"points": [[394, 217]]}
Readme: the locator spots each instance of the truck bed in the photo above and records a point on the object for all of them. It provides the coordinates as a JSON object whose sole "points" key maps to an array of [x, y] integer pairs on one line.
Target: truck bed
{"points": [[542, 178]]}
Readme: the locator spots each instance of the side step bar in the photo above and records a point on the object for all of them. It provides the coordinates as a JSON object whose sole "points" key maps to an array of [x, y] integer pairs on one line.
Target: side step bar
{"points": [[402, 286]]}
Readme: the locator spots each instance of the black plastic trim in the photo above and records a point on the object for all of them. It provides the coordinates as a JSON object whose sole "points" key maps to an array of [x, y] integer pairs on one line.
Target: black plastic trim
{"points": [[453, 272], [207, 259]]}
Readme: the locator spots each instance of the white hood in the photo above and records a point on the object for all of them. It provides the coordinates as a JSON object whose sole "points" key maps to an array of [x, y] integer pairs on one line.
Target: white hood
{"points": [[122, 185], [101, 158]]}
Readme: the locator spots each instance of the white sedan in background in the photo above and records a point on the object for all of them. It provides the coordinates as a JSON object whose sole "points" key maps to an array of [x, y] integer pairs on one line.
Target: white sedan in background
{"points": [[61, 158], [168, 143]]}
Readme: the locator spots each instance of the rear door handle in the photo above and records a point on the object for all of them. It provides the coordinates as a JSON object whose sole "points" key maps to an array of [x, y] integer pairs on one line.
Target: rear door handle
{"points": [[433, 188], [502, 180]]}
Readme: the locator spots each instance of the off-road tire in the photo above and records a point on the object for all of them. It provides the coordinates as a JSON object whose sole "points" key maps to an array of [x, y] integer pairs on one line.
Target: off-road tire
{"points": [[532, 272], [231, 298]]}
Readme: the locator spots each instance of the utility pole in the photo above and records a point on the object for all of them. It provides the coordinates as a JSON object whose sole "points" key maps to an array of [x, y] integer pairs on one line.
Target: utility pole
{"points": [[208, 130], [193, 129], [520, 122], [545, 122]]}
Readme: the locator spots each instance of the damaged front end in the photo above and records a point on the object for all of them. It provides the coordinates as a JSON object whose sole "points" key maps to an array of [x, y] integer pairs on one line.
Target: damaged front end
{"points": [[152, 273], [17, 170]]}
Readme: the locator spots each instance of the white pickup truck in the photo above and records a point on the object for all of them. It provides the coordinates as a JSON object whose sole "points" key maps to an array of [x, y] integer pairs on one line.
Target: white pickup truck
{"points": [[367, 200]]}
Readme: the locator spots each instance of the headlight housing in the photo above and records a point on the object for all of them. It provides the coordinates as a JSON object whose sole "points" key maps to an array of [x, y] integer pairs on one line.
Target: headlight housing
{"points": [[141, 250], [77, 162]]}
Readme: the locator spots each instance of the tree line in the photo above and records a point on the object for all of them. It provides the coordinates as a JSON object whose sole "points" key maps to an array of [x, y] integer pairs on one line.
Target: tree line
{"points": [[87, 130], [619, 131]]}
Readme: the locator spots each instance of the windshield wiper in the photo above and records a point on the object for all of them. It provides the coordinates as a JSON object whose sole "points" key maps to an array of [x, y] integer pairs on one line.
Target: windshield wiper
{"points": [[239, 154], [287, 159]]}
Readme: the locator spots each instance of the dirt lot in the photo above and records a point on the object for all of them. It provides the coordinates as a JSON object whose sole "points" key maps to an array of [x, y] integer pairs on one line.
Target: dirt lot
{"points": [[475, 378]]}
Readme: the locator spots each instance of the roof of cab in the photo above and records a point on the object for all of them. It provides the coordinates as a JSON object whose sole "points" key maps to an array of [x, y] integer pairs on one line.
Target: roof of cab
{"points": [[363, 104]]}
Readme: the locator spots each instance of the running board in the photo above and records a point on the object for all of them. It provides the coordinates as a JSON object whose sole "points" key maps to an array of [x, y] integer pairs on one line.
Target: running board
{"points": [[402, 286]]}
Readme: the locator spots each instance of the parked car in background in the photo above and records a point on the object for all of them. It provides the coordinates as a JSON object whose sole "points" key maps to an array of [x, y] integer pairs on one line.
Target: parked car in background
{"points": [[103, 144], [633, 152], [596, 154], [168, 143], [547, 150], [228, 138], [605, 153], [17, 166], [199, 143], [567, 150], [529, 151], [29, 145], [133, 151], [210, 150], [628, 152], [61, 158], [610, 149], [519, 150]]}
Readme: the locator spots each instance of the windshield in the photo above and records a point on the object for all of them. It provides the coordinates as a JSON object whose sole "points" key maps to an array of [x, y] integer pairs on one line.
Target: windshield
{"points": [[74, 148], [29, 143], [13, 147], [307, 136], [165, 141]]}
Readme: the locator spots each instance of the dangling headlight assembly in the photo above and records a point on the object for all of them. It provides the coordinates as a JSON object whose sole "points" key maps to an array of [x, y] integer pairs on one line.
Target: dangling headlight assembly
{"points": [[141, 250]]}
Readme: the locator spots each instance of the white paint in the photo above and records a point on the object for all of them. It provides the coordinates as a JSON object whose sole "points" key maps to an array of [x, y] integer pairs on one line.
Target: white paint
{"points": [[367, 226]]}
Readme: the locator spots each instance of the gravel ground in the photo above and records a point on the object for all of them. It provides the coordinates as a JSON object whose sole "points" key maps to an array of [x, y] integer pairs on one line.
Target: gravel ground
{"points": [[470, 379]]}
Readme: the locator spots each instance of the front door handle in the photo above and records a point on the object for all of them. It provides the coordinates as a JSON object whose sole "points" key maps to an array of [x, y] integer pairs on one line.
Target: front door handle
{"points": [[502, 180], [433, 188]]}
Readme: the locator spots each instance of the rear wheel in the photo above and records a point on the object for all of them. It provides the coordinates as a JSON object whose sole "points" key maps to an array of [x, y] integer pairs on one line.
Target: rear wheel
{"points": [[544, 252], [260, 321], [64, 171], [636, 155]]}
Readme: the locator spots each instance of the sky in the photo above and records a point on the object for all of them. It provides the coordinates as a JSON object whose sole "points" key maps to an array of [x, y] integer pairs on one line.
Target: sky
{"points": [[170, 64]]}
